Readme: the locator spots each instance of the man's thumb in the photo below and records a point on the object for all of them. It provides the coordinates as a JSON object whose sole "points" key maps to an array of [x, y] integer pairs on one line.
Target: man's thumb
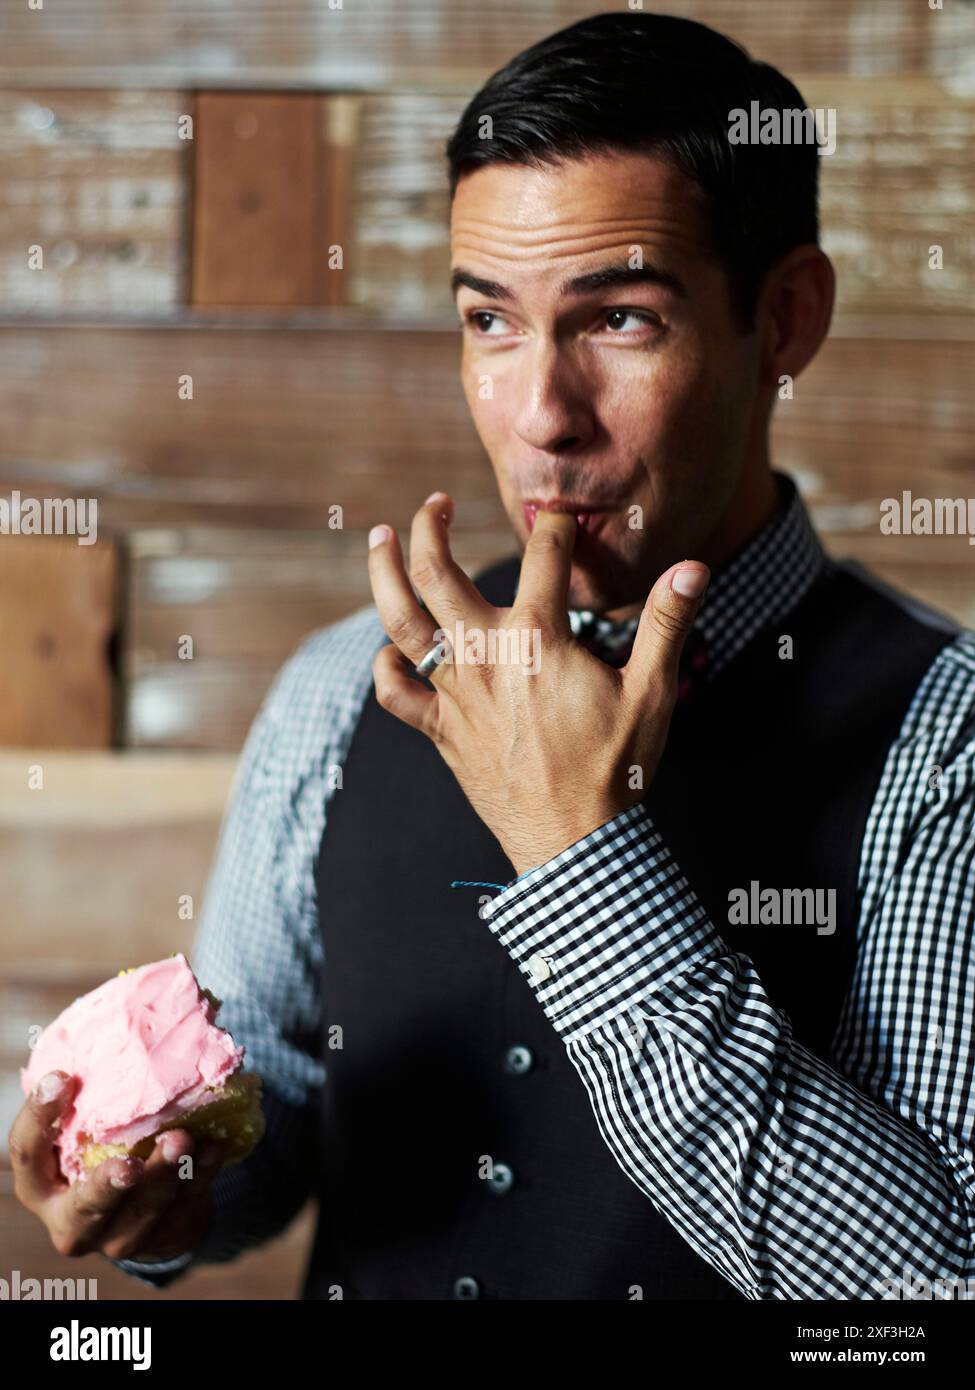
{"points": [[667, 618]]}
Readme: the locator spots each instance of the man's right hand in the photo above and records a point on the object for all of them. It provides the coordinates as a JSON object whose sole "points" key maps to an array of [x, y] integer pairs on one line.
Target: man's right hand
{"points": [[125, 1208]]}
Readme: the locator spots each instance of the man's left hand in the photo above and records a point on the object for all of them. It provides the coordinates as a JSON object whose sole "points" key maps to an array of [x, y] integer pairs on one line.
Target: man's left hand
{"points": [[548, 747]]}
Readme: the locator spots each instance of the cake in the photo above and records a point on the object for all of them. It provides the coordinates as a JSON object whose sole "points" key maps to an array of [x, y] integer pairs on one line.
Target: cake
{"points": [[149, 1057]]}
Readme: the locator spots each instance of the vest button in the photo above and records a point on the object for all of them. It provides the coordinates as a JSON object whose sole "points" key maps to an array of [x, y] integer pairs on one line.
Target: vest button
{"points": [[502, 1179], [518, 1060], [466, 1287]]}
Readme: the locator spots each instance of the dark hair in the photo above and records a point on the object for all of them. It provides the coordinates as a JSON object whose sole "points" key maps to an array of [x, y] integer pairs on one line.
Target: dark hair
{"points": [[630, 80]]}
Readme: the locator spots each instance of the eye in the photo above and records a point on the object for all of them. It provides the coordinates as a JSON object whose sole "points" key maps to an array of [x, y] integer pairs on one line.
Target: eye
{"points": [[483, 320], [616, 319]]}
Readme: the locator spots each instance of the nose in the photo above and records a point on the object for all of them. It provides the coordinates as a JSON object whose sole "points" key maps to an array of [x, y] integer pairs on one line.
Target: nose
{"points": [[554, 413]]}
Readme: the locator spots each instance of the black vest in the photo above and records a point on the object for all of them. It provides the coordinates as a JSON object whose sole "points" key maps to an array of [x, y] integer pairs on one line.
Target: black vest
{"points": [[768, 775]]}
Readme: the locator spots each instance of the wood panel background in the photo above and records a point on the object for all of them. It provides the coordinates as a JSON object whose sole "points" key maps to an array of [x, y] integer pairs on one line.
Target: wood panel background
{"points": [[104, 183], [259, 235], [225, 500], [58, 625], [169, 258], [99, 180], [284, 425], [438, 44]]}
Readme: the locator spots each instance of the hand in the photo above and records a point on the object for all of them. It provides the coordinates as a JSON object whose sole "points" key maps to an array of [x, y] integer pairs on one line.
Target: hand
{"points": [[126, 1208], [544, 749]]}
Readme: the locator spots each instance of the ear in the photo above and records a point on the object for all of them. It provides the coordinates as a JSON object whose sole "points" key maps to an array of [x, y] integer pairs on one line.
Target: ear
{"points": [[795, 311]]}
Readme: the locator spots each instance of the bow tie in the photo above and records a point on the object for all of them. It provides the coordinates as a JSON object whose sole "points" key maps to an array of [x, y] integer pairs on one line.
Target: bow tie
{"points": [[612, 643]]}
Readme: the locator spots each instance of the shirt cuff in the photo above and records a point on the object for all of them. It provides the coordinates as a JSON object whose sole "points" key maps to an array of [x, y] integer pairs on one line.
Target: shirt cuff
{"points": [[604, 924]]}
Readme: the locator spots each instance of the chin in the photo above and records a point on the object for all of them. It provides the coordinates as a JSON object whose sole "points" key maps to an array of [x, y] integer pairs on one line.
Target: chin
{"points": [[603, 579], [599, 592]]}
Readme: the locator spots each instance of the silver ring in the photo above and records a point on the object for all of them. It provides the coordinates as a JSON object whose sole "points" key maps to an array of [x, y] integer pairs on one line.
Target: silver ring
{"points": [[433, 659]]}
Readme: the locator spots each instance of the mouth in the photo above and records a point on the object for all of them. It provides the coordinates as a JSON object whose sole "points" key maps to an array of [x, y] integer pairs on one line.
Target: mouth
{"points": [[588, 519]]}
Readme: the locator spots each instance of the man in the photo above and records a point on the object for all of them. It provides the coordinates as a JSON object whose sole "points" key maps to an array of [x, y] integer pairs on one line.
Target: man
{"points": [[707, 1035]]}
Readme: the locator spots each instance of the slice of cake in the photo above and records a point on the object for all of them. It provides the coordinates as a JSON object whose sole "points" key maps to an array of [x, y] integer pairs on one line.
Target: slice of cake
{"points": [[149, 1057]]}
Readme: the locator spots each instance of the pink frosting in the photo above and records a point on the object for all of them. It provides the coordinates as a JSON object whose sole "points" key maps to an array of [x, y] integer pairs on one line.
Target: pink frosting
{"points": [[146, 1050]]}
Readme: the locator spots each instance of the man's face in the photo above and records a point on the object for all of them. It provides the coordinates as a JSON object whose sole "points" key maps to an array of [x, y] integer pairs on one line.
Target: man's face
{"points": [[634, 398]]}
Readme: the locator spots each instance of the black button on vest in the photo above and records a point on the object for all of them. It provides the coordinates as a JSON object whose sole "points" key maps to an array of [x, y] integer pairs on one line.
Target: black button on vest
{"points": [[449, 1071]]}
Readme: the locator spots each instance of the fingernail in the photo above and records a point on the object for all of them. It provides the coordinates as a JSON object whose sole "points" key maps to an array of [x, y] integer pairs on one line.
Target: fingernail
{"points": [[172, 1149], [49, 1088], [448, 506], [129, 1176], [690, 583], [377, 535]]}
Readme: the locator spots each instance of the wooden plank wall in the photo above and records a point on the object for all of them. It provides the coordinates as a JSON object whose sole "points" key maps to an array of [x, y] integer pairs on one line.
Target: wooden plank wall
{"points": [[185, 171], [103, 181], [100, 179], [437, 44], [58, 625], [227, 530]]}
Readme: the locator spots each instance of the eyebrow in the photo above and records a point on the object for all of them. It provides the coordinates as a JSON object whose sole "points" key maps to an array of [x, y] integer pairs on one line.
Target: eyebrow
{"points": [[608, 277]]}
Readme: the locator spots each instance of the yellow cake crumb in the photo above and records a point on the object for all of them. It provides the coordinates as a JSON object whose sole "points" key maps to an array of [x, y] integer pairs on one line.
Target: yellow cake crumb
{"points": [[234, 1115]]}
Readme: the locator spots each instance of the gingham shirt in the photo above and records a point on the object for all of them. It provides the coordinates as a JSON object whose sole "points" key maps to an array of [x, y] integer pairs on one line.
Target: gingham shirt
{"points": [[696, 1083]]}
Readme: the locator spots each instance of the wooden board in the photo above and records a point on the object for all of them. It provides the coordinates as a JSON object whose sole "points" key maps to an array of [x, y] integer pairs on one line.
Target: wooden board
{"points": [[400, 205], [94, 866], [283, 426], [58, 613], [258, 201], [105, 189], [246, 599], [226, 498], [901, 179], [98, 180], [437, 44]]}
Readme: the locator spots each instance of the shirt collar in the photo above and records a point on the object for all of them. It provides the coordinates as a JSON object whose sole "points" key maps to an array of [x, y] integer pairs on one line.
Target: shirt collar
{"points": [[758, 584], [762, 581]]}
